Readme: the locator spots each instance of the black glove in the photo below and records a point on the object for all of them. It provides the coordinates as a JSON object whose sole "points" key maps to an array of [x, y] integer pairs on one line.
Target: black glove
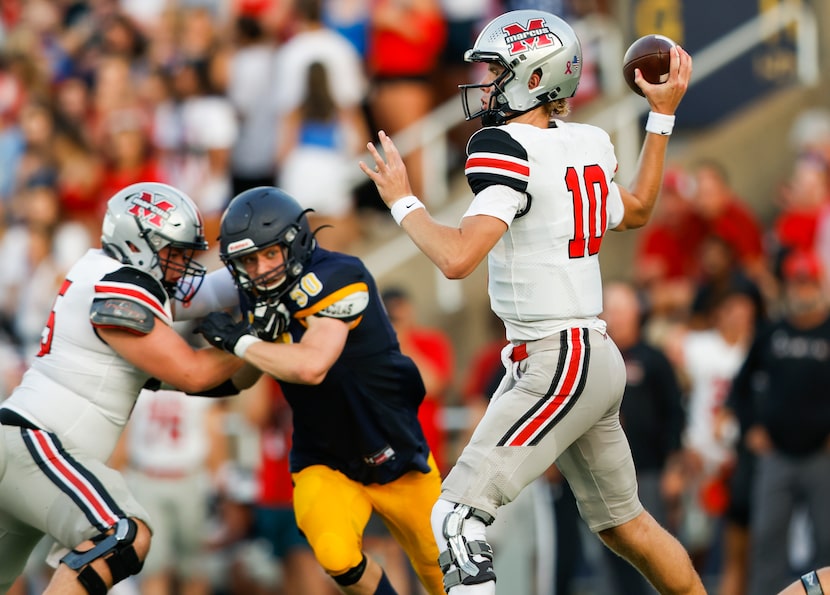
{"points": [[222, 331], [270, 321]]}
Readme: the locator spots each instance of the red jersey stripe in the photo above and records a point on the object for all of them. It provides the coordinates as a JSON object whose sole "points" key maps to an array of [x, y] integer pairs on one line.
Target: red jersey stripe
{"points": [[498, 164]]}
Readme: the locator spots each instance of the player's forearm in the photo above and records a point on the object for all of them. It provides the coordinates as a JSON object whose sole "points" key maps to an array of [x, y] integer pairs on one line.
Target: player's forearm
{"points": [[208, 368], [442, 244], [645, 188], [291, 362]]}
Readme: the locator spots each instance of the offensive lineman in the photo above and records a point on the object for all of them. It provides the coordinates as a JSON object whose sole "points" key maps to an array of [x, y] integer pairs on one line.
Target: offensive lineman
{"points": [[357, 444], [109, 333], [544, 197]]}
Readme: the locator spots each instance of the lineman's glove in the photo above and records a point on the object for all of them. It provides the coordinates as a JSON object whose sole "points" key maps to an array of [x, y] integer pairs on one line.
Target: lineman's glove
{"points": [[222, 331], [270, 321]]}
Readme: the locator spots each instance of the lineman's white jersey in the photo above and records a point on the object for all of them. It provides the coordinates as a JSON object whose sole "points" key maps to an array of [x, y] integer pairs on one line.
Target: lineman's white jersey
{"points": [[554, 188], [167, 432], [78, 387]]}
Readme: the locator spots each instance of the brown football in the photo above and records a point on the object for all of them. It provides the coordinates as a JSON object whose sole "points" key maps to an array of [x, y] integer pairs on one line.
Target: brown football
{"points": [[651, 54]]}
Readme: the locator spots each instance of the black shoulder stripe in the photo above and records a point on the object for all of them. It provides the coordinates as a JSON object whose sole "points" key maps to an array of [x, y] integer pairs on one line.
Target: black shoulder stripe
{"points": [[496, 158], [138, 277], [495, 140]]}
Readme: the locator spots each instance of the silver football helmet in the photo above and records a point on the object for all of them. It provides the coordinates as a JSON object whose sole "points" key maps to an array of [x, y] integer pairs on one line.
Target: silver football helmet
{"points": [[144, 218], [524, 42]]}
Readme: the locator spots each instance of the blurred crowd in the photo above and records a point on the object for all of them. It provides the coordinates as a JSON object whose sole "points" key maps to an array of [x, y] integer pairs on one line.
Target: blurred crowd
{"points": [[724, 322], [213, 97]]}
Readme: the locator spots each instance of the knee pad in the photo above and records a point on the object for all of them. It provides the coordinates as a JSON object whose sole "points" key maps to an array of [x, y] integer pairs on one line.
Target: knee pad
{"points": [[351, 576], [468, 558], [115, 549], [336, 553]]}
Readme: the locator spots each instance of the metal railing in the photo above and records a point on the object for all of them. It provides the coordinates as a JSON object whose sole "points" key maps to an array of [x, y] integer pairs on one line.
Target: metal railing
{"points": [[620, 119]]}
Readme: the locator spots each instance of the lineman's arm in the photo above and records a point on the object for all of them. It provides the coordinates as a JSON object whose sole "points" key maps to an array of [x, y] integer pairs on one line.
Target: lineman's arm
{"points": [[306, 362], [639, 199], [217, 292], [165, 355], [456, 251]]}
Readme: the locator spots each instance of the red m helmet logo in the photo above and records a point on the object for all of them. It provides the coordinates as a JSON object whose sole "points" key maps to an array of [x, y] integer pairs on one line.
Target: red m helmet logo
{"points": [[520, 39], [151, 208]]}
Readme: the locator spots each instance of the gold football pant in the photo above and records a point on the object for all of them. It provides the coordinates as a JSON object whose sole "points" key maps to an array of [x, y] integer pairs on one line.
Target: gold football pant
{"points": [[332, 512]]}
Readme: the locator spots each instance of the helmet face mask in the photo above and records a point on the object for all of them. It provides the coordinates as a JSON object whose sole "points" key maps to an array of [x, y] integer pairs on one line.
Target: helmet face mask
{"points": [[255, 220], [524, 42], [145, 218], [496, 110], [265, 285], [188, 274]]}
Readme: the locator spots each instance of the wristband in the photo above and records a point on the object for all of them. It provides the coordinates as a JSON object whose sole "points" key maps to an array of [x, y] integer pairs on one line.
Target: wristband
{"points": [[244, 342], [404, 206], [661, 124], [811, 583]]}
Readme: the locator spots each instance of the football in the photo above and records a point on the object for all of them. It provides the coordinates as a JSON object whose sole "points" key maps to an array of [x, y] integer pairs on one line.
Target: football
{"points": [[651, 54]]}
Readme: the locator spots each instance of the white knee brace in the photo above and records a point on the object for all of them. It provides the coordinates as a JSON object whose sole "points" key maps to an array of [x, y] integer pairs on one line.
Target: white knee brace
{"points": [[466, 558]]}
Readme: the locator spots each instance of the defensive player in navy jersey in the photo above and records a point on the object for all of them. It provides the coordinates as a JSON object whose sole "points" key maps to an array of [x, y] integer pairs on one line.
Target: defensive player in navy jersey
{"points": [[357, 444], [545, 195]]}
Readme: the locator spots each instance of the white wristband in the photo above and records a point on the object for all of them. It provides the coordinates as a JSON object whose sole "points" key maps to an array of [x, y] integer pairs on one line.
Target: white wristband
{"points": [[244, 342], [404, 206], [661, 124]]}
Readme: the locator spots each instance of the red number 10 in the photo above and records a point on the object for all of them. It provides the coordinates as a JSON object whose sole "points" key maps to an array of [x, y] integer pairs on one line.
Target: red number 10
{"points": [[593, 187]]}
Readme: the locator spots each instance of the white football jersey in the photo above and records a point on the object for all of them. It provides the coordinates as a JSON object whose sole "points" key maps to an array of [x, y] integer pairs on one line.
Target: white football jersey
{"points": [[167, 432], [544, 274], [711, 365], [78, 387]]}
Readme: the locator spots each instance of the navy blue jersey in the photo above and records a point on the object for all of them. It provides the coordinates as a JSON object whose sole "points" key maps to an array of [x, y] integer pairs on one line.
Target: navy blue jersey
{"points": [[363, 418]]}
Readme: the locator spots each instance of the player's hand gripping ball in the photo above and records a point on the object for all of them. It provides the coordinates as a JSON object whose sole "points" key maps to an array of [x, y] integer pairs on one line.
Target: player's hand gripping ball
{"points": [[652, 55]]}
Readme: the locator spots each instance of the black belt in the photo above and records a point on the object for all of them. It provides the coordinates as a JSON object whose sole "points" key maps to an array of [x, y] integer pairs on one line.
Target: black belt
{"points": [[11, 418]]}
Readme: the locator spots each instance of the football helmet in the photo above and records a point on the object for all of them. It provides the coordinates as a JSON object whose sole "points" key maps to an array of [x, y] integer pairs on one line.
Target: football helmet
{"points": [[144, 218], [524, 42], [258, 218]]}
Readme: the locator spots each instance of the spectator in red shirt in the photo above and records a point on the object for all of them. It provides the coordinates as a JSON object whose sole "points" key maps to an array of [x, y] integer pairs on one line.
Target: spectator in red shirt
{"points": [[667, 264], [726, 215], [803, 200], [405, 43]]}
